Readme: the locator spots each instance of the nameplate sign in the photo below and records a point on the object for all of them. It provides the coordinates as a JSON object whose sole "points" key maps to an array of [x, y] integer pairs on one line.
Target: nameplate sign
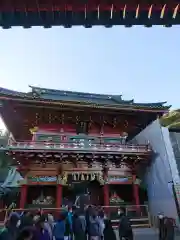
{"points": [[119, 179], [42, 179]]}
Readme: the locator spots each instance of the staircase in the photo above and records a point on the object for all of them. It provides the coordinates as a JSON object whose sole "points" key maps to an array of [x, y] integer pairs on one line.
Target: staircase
{"points": [[138, 215], [136, 223]]}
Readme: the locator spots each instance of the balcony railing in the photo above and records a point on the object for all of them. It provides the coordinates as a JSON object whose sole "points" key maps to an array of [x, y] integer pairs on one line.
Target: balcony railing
{"points": [[79, 146]]}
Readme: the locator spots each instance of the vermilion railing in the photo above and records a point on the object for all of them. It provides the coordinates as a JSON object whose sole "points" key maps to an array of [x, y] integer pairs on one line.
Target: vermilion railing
{"points": [[81, 145]]}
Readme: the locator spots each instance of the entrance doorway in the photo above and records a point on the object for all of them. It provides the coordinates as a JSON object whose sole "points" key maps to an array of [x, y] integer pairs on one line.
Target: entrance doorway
{"points": [[96, 193], [90, 192]]}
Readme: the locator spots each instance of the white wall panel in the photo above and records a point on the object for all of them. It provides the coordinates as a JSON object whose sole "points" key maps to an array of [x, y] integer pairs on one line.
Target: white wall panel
{"points": [[159, 176]]}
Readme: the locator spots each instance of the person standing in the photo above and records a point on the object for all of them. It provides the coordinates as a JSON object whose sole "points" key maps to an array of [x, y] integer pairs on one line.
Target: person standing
{"points": [[109, 233], [40, 233], [101, 224], [48, 226], [60, 228], [125, 228], [11, 228], [26, 220], [25, 234], [68, 226], [79, 226], [94, 228]]}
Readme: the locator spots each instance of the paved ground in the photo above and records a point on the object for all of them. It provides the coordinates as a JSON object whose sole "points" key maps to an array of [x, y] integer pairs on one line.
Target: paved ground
{"points": [[147, 234]]}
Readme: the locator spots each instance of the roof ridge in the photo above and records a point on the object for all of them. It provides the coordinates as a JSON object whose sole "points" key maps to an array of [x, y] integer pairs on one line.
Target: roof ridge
{"points": [[6, 90], [76, 92], [89, 98]]}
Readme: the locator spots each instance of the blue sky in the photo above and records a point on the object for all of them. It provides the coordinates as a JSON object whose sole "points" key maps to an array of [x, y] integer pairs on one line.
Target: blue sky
{"points": [[140, 63]]}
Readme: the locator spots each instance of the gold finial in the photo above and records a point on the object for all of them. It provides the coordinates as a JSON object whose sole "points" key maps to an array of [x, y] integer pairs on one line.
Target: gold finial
{"points": [[175, 11], [112, 8], [124, 11], [163, 11], [150, 11], [33, 130], [64, 179], [137, 11]]}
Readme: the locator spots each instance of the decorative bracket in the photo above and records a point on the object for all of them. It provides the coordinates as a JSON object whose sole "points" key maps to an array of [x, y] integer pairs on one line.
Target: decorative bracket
{"points": [[63, 179]]}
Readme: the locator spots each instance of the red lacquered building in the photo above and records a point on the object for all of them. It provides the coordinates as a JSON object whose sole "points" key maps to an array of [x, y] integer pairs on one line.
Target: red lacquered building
{"points": [[68, 144]]}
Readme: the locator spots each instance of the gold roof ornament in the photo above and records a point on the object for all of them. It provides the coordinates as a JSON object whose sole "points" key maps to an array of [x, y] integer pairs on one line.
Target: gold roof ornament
{"points": [[137, 11], [175, 11], [124, 11], [150, 11], [100, 179], [163, 11], [112, 9], [93, 177], [33, 130], [64, 179]]}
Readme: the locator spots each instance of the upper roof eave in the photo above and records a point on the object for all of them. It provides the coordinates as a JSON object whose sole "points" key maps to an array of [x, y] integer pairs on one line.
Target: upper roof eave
{"points": [[29, 96]]}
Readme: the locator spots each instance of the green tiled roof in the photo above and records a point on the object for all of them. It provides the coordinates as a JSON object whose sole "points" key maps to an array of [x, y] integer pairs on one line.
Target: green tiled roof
{"points": [[44, 94]]}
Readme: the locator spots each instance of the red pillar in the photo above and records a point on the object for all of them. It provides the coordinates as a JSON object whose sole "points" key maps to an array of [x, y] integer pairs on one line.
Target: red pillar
{"points": [[106, 199], [23, 196], [106, 194], [59, 196], [136, 195]]}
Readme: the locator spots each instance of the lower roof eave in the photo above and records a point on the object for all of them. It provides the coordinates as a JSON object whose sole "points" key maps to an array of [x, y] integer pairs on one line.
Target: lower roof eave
{"points": [[70, 151]]}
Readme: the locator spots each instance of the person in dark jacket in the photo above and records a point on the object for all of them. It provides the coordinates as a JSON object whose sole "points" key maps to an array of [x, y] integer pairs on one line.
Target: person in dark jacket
{"points": [[26, 220], [40, 232], [109, 233], [125, 229], [60, 227], [10, 231], [25, 234], [68, 226], [88, 213], [79, 226], [169, 231], [94, 228]]}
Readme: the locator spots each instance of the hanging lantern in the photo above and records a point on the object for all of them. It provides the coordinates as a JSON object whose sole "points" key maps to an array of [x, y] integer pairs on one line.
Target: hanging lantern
{"points": [[93, 176], [74, 176], [82, 177]]}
